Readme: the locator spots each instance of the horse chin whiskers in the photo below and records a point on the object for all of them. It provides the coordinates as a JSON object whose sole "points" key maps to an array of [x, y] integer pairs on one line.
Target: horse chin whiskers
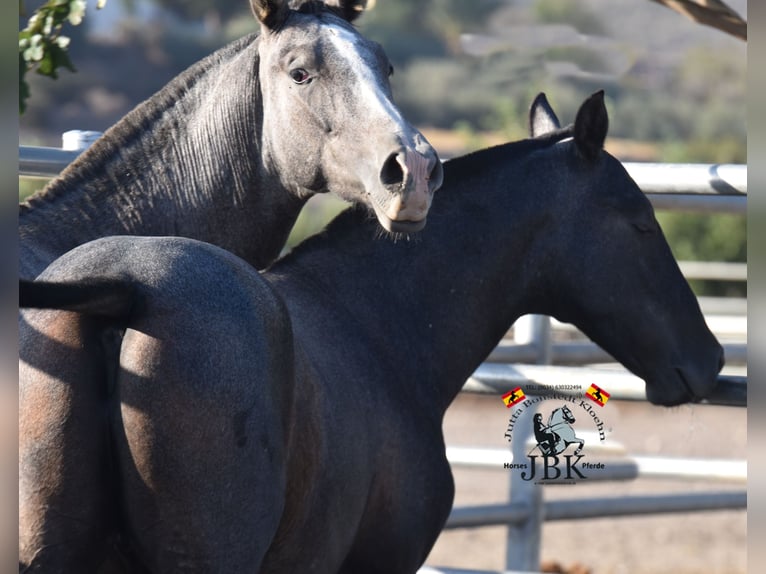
{"points": [[393, 236]]}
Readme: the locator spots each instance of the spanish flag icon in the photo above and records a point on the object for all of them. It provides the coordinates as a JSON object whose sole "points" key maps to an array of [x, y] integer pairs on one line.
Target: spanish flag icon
{"points": [[597, 394], [512, 397]]}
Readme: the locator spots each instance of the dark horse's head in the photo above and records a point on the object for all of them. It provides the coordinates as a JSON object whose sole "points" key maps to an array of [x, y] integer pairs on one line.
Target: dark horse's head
{"points": [[618, 280], [330, 123]]}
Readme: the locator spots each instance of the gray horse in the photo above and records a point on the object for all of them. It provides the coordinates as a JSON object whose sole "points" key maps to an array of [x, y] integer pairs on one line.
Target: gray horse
{"points": [[230, 150], [291, 421]]}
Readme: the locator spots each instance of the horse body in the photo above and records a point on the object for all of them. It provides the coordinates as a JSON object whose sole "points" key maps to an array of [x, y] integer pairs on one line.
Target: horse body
{"points": [[231, 149], [293, 422]]}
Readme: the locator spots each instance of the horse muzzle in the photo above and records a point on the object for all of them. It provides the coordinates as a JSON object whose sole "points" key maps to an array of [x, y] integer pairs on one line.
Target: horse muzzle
{"points": [[410, 179], [686, 383]]}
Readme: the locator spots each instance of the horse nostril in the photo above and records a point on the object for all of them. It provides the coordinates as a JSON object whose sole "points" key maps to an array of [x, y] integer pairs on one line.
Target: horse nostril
{"points": [[436, 177], [391, 173]]}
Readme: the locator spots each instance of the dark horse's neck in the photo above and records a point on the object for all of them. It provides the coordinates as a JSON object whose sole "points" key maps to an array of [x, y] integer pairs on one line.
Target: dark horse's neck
{"points": [[466, 277], [185, 162]]}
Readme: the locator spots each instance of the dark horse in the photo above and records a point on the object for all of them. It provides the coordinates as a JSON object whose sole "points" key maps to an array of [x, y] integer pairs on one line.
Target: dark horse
{"points": [[231, 149], [291, 421]]}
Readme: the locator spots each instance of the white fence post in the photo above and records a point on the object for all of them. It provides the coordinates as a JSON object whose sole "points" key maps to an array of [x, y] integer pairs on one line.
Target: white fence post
{"points": [[522, 549], [78, 140], [535, 330]]}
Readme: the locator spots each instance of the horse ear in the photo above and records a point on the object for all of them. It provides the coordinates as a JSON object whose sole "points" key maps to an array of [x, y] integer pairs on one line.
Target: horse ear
{"points": [[270, 13], [350, 9], [542, 118], [591, 125]]}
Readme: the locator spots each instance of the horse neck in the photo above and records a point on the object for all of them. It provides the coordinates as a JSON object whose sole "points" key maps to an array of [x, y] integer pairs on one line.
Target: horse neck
{"points": [[431, 308], [186, 162]]}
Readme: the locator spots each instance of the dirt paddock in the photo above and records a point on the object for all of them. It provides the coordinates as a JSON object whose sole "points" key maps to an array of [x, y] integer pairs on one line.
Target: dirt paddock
{"points": [[710, 542]]}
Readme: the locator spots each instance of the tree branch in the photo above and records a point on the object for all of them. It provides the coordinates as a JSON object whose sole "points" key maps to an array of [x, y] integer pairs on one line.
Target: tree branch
{"points": [[711, 13]]}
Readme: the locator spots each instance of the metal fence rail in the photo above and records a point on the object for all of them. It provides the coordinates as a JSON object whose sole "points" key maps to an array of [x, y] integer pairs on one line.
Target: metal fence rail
{"points": [[620, 466], [711, 188], [689, 187], [597, 507], [44, 162], [584, 353], [498, 378]]}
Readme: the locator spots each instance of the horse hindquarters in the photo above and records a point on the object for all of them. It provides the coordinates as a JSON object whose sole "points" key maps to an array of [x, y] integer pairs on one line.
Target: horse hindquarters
{"points": [[204, 386], [65, 509]]}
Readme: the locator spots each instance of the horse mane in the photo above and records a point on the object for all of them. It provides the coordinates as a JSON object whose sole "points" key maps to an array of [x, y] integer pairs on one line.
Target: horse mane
{"points": [[134, 124], [480, 160]]}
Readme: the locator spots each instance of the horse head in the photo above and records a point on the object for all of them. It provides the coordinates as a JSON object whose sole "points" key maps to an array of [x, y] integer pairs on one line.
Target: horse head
{"points": [[330, 123], [617, 279], [562, 414]]}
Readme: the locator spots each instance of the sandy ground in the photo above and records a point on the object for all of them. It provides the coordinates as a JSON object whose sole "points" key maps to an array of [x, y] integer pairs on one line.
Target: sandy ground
{"points": [[711, 542]]}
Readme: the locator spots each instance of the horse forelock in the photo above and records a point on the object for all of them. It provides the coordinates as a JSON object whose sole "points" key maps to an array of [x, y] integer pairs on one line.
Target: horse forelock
{"points": [[132, 127]]}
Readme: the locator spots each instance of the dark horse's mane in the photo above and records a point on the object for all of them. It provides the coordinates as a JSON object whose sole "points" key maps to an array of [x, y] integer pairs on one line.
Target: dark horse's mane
{"points": [[482, 160], [135, 123], [467, 165]]}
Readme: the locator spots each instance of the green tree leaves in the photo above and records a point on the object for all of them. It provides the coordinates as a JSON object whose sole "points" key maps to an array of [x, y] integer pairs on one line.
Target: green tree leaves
{"points": [[42, 47]]}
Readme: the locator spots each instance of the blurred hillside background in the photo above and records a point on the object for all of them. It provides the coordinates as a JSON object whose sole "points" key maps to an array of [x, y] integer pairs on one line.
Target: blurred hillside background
{"points": [[465, 73]]}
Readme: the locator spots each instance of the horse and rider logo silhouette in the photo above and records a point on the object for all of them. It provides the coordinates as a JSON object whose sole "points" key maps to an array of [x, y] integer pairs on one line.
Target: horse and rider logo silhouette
{"points": [[554, 437]]}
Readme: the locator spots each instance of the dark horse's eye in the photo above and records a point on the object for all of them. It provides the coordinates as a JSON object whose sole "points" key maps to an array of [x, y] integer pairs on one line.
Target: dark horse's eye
{"points": [[390, 70], [647, 226], [300, 76]]}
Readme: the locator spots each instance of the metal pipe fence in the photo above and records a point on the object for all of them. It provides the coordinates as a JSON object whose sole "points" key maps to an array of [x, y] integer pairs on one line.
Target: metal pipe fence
{"points": [[697, 187], [527, 510], [498, 378]]}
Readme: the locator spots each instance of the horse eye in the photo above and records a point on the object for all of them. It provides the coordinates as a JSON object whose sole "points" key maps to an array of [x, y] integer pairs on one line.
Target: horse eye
{"points": [[300, 76], [645, 226], [390, 70]]}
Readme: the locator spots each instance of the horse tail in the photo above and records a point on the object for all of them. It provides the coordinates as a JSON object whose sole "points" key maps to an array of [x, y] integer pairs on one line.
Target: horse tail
{"points": [[107, 298]]}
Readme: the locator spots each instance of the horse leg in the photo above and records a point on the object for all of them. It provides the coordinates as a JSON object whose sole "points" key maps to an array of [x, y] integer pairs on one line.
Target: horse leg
{"points": [[64, 494], [201, 453]]}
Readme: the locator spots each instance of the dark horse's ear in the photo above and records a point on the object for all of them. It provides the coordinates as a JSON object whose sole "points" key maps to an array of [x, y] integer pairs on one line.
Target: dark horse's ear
{"points": [[349, 9], [591, 125], [542, 118], [270, 13]]}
